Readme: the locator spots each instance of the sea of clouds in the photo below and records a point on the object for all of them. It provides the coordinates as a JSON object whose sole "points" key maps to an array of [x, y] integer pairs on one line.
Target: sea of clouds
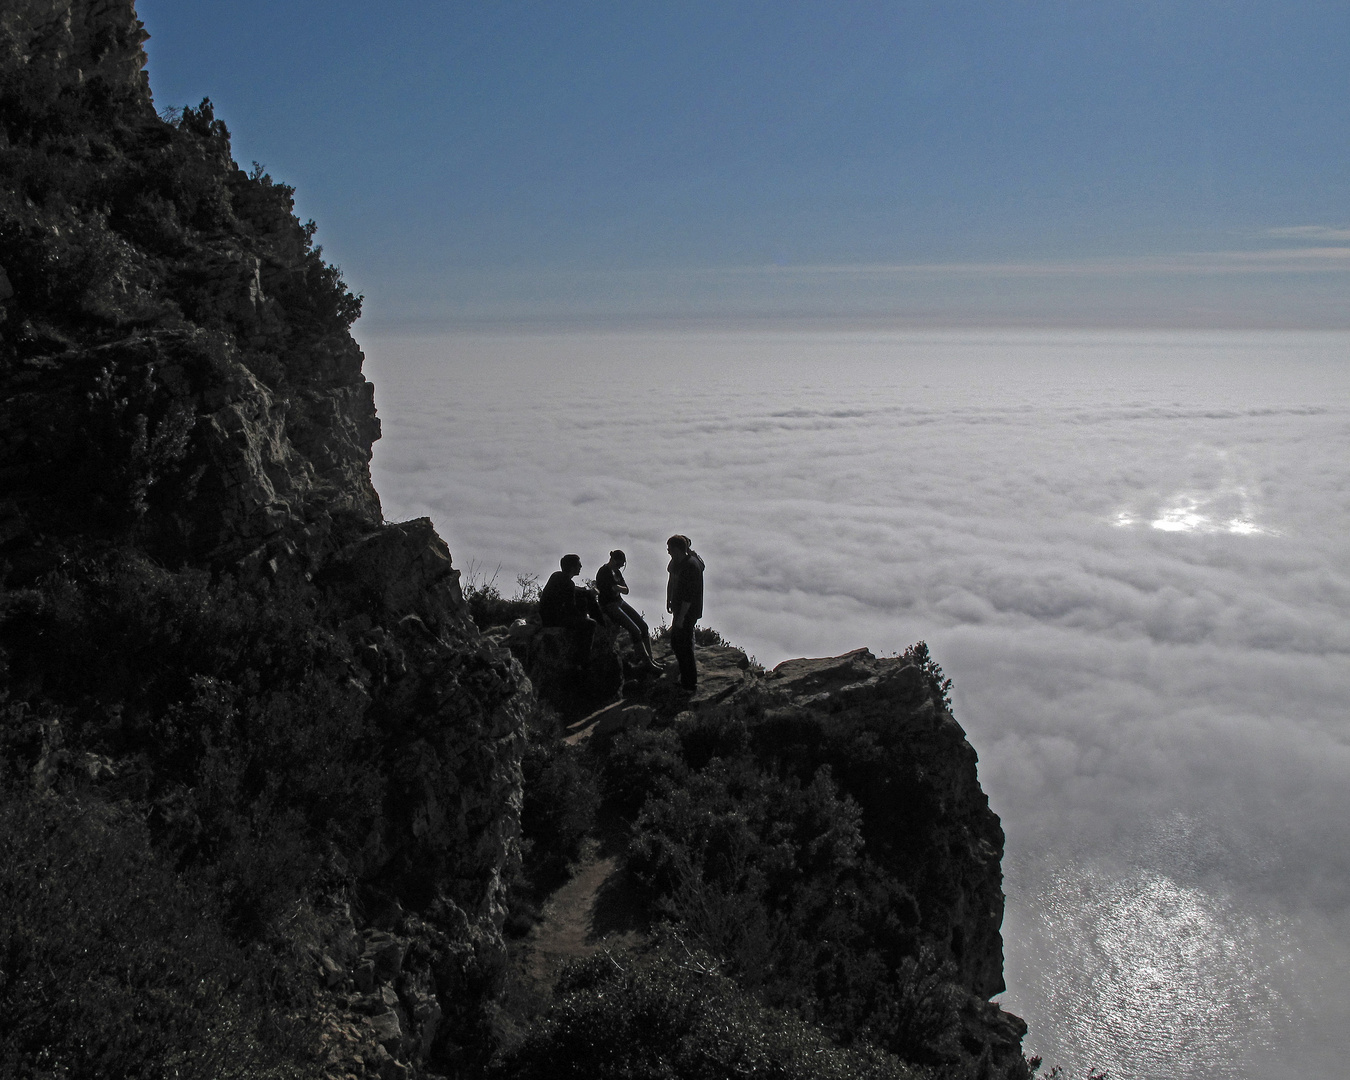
{"points": [[1128, 550]]}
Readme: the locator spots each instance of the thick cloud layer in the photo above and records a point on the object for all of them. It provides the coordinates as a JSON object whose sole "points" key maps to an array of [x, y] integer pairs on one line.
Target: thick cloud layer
{"points": [[1130, 552]]}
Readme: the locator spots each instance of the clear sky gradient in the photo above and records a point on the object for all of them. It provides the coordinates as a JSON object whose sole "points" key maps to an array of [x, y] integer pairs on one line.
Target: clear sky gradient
{"points": [[1128, 163]]}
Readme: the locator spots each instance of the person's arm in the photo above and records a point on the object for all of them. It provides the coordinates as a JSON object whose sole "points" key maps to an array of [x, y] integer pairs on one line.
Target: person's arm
{"points": [[619, 582], [681, 613]]}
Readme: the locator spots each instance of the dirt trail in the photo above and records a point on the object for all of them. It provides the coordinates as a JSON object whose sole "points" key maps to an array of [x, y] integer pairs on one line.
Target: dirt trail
{"points": [[596, 909], [581, 918]]}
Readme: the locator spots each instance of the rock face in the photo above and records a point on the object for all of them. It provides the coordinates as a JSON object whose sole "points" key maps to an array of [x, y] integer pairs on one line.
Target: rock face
{"points": [[925, 819], [183, 416], [951, 855], [178, 367], [100, 40]]}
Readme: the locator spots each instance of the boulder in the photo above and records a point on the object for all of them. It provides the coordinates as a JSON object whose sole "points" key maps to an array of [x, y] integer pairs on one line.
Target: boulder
{"points": [[385, 954], [399, 571], [387, 1029], [550, 660]]}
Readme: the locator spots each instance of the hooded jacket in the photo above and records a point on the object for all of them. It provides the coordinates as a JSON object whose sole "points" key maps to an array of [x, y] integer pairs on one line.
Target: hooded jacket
{"points": [[686, 584]]}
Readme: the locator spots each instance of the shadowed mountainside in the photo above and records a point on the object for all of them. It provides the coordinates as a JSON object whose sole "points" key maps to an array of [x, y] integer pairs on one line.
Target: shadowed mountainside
{"points": [[215, 652]]}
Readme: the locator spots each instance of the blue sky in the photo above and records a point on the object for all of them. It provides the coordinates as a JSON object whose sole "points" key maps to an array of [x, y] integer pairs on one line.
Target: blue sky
{"points": [[1123, 163]]}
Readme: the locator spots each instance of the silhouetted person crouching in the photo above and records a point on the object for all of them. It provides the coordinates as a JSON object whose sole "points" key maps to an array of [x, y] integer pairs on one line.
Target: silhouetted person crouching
{"points": [[610, 584], [566, 604], [684, 601]]}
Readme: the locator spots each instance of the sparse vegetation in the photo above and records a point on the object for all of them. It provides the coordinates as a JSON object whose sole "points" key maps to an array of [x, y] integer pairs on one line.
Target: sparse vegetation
{"points": [[704, 636], [489, 608], [918, 655]]}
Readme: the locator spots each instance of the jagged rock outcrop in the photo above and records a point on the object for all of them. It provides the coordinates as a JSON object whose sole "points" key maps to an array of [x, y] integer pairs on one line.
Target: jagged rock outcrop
{"points": [[100, 40], [177, 364], [925, 819], [955, 866]]}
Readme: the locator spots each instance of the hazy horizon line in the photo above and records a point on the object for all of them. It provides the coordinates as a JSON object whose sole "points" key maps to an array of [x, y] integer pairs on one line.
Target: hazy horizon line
{"points": [[631, 323]]}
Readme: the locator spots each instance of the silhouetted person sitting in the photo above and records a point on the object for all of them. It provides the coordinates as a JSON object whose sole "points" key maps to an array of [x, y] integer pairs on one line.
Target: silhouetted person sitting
{"points": [[612, 588], [684, 601], [563, 603]]}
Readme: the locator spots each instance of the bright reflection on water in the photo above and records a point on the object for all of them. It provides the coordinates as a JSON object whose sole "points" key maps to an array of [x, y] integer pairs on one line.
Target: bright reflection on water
{"points": [[1146, 977]]}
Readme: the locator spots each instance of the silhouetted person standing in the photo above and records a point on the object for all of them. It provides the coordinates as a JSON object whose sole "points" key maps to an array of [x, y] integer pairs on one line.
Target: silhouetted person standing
{"points": [[610, 584], [563, 603], [684, 601]]}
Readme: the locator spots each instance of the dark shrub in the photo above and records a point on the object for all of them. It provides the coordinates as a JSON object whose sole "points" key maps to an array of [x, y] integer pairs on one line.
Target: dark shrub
{"points": [[111, 966], [941, 686], [672, 1015], [639, 764], [775, 844], [230, 711], [709, 638], [561, 797]]}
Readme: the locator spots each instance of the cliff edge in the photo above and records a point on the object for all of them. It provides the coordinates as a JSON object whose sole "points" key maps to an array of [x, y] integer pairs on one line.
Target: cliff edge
{"points": [[819, 829]]}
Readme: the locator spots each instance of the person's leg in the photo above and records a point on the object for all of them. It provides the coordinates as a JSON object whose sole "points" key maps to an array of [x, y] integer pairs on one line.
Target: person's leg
{"points": [[682, 643], [642, 640], [623, 615], [646, 634], [626, 616]]}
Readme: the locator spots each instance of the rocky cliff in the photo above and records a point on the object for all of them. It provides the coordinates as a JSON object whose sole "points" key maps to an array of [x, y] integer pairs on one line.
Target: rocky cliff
{"points": [[200, 595], [232, 695], [821, 828], [181, 370]]}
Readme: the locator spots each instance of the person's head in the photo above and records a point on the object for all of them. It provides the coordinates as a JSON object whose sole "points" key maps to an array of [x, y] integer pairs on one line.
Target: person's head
{"points": [[678, 545], [571, 565], [618, 559]]}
